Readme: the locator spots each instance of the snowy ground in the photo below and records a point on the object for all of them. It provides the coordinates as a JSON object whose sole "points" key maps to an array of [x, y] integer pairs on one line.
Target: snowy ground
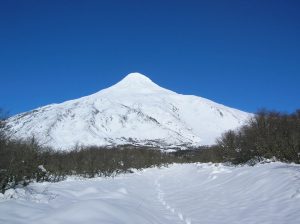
{"points": [[186, 194]]}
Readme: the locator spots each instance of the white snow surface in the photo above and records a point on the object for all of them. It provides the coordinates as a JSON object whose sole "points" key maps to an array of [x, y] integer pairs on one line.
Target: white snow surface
{"points": [[179, 194], [133, 111]]}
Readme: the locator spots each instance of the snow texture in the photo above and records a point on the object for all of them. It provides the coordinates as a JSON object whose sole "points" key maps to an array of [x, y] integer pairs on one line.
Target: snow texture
{"points": [[180, 194], [133, 111]]}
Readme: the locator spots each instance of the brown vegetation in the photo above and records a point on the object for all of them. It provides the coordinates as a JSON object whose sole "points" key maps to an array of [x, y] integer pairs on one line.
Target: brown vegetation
{"points": [[267, 135]]}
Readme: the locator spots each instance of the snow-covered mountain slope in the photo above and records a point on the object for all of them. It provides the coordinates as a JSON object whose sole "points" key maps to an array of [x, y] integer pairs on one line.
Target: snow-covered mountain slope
{"points": [[133, 111], [180, 194]]}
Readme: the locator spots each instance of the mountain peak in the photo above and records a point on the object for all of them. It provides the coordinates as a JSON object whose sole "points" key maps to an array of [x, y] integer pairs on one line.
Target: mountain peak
{"points": [[133, 111], [137, 82], [136, 78]]}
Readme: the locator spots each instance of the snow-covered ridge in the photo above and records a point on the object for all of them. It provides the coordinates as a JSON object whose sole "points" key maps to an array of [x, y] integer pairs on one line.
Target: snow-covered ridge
{"points": [[133, 111]]}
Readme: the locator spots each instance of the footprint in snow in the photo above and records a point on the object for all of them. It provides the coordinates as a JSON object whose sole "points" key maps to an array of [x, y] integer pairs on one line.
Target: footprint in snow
{"points": [[160, 196]]}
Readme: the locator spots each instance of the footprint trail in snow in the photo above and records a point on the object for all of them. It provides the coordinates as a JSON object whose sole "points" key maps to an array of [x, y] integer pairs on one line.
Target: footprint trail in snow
{"points": [[161, 199]]}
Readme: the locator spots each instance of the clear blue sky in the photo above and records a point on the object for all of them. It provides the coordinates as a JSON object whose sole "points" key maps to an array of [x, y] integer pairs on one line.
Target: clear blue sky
{"points": [[244, 54]]}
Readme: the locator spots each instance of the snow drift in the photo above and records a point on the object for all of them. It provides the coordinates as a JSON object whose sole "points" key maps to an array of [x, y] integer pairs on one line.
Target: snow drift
{"points": [[180, 194]]}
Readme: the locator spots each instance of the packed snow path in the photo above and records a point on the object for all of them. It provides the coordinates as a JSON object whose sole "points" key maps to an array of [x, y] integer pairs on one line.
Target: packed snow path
{"points": [[180, 194]]}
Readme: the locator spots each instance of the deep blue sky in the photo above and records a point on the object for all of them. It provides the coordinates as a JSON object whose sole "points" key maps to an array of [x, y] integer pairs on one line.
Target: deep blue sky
{"points": [[244, 54]]}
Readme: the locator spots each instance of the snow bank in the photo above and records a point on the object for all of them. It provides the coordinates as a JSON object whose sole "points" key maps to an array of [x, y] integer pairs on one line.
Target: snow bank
{"points": [[190, 193]]}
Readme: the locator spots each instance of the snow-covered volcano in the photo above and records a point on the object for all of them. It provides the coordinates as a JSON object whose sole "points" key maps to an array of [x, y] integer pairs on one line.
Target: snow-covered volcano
{"points": [[133, 111]]}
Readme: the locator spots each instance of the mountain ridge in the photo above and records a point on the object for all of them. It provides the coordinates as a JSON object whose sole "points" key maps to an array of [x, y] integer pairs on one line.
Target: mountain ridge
{"points": [[133, 111]]}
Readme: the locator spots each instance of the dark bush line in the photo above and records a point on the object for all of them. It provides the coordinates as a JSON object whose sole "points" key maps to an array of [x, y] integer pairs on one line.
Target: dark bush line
{"points": [[24, 162], [267, 135]]}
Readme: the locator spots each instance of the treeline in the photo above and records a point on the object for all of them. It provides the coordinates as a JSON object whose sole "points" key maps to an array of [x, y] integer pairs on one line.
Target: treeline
{"points": [[266, 135], [24, 162]]}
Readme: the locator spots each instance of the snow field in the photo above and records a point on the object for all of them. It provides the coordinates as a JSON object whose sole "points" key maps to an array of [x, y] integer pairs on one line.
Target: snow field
{"points": [[179, 194]]}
